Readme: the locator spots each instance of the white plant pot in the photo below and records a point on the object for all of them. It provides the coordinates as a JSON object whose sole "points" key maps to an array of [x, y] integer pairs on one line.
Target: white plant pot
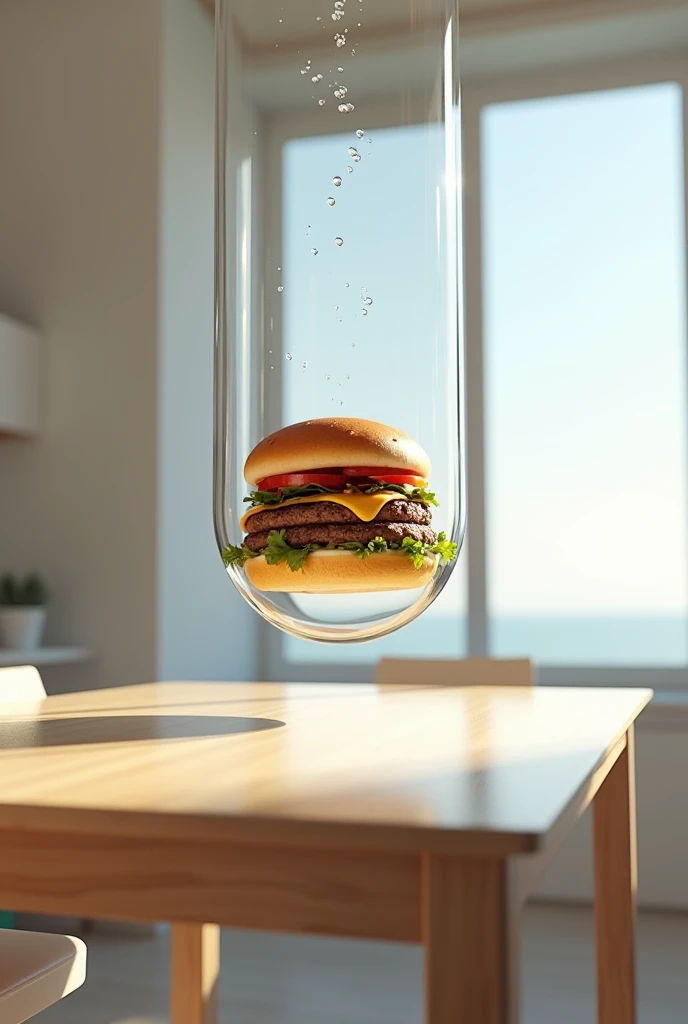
{"points": [[21, 627]]}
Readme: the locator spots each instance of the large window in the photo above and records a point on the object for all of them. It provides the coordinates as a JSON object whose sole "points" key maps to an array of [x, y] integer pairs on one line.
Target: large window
{"points": [[584, 370], [577, 390]]}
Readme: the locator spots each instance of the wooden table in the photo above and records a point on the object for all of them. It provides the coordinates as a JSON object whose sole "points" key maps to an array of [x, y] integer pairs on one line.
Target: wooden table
{"points": [[413, 813]]}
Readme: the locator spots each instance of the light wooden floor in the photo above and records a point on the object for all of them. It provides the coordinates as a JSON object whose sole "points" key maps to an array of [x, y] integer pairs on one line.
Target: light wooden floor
{"points": [[268, 979]]}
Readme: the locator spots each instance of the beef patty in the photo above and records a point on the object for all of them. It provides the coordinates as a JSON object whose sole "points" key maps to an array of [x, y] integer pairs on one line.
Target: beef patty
{"points": [[398, 511], [344, 533]]}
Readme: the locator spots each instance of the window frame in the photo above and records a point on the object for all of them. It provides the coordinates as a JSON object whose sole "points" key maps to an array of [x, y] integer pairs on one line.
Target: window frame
{"points": [[476, 95]]}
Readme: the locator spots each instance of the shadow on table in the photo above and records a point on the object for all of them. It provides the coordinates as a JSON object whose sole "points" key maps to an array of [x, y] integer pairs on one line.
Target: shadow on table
{"points": [[55, 732]]}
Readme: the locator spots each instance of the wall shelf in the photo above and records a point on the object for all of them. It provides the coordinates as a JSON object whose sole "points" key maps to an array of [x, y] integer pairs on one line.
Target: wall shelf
{"points": [[44, 656]]}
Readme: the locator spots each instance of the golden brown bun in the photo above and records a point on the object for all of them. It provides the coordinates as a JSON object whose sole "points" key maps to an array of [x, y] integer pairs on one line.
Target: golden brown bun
{"points": [[340, 441], [342, 572]]}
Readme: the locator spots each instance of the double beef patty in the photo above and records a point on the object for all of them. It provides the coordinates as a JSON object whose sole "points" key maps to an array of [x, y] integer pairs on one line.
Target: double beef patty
{"points": [[325, 522]]}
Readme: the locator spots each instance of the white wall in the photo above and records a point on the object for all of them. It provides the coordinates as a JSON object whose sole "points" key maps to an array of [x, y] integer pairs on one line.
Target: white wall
{"points": [[106, 214], [79, 167], [205, 630]]}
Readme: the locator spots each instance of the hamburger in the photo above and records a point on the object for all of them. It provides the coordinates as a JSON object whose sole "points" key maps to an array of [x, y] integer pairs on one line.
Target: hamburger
{"points": [[339, 506]]}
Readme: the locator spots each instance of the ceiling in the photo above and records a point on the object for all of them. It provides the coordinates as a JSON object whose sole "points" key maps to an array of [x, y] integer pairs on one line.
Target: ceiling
{"points": [[258, 24]]}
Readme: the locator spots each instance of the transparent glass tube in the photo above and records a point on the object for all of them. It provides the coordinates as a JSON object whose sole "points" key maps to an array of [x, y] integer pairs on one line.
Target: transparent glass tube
{"points": [[338, 265]]}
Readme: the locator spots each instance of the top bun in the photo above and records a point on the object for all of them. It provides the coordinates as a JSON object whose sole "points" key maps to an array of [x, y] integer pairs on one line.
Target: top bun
{"points": [[341, 441]]}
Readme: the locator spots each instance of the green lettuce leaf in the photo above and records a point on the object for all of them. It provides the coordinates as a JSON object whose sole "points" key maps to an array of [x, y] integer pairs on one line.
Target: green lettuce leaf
{"points": [[271, 498], [278, 550], [234, 554], [446, 549]]}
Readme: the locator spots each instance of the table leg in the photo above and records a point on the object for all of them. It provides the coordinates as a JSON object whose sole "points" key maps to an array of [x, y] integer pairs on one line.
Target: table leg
{"points": [[194, 973], [471, 943], [615, 890]]}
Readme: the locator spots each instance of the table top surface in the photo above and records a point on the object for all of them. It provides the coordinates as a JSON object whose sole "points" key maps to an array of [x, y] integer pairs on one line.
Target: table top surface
{"points": [[411, 767]]}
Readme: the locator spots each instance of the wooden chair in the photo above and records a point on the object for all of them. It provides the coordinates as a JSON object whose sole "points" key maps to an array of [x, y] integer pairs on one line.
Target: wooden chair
{"points": [[195, 949], [36, 968], [464, 672]]}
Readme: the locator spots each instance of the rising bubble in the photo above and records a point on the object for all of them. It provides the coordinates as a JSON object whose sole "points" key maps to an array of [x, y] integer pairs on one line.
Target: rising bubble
{"points": [[280, 288], [352, 151], [357, 158], [350, 169], [330, 201], [368, 301], [328, 376], [340, 69], [360, 133], [364, 312], [304, 366], [314, 251], [289, 357], [336, 181], [321, 103], [339, 241]]}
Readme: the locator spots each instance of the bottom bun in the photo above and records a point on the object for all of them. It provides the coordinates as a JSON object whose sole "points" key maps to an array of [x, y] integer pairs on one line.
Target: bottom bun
{"points": [[342, 572]]}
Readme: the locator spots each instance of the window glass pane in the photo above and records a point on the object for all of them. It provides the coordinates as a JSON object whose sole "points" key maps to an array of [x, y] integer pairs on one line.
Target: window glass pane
{"points": [[376, 188], [584, 316]]}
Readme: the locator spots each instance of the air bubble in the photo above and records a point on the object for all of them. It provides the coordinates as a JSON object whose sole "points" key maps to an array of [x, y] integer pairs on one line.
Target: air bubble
{"points": [[352, 151], [346, 284], [280, 288], [336, 181], [304, 71], [353, 52], [341, 92], [348, 377], [339, 241], [359, 134], [364, 312], [330, 201], [316, 78], [357, 159], [341, 403], [304, 366], [345, 108], [314, 251], [289, 357], [368, 301], [328, 376], [336, 308], [340, 70], [321, 103], [350, 169]]}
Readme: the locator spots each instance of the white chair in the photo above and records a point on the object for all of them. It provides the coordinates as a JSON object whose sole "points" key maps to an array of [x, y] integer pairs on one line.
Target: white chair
{"points": [[464, 672], [36, 968]]}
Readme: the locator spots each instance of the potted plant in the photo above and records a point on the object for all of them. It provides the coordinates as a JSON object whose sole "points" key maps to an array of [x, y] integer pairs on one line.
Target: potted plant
{"points": [[22, 611]]}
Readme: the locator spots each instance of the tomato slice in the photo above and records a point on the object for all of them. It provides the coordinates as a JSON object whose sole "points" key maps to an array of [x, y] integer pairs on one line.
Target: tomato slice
{"points": [[334, 481], [408, 479]]}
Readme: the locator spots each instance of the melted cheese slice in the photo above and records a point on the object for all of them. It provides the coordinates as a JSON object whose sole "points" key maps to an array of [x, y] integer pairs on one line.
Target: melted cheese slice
{"points": [[365, 506]]}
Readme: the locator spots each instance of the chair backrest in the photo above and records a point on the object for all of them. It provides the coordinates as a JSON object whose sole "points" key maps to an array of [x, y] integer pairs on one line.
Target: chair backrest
{"points": [[21, 683], [465, 672]]}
